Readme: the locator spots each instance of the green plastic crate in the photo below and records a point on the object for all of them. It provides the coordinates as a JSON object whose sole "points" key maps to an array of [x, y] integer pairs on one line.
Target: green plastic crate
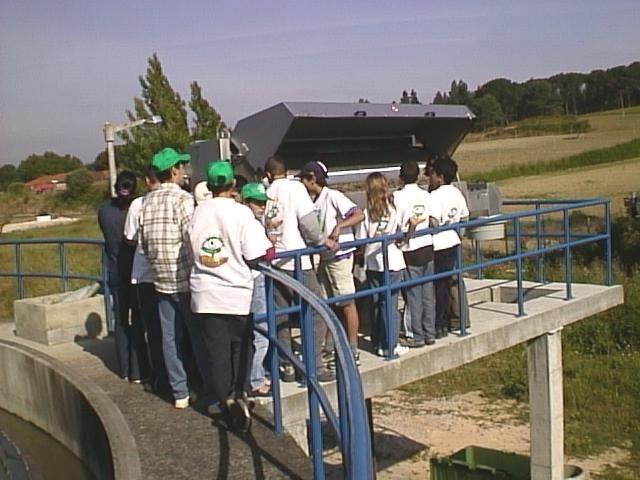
{"points": [[478, 463]]}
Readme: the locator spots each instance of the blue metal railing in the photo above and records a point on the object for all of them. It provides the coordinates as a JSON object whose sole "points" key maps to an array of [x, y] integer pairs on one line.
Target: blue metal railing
{"points": [[62, 273], [565, 241], [350, 425]]}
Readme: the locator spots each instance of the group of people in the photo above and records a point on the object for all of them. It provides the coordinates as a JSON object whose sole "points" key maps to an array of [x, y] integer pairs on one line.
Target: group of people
{"points": [[186, 289]]}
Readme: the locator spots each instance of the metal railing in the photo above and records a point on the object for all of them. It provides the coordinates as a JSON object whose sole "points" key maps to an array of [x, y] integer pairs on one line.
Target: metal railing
{"points": [[62, 273], [350, 424], [565, 240]]}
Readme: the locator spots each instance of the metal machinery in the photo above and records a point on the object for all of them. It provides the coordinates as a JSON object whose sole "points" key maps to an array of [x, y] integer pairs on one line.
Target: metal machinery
{"points": [[351, 139]]}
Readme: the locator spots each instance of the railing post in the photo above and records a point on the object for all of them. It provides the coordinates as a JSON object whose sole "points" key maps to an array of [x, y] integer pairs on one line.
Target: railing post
{"points": [[540, 244], [567, 253], [479, 270], [462, 311], [518, 240], [309, 354], [63, 266], [20, 283], [389, 320], [608, 252], [274, 360]]}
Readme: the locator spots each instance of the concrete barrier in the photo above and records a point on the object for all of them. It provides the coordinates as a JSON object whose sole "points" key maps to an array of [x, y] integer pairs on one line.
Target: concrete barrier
{"points": [[75, 412], [50, 320]]}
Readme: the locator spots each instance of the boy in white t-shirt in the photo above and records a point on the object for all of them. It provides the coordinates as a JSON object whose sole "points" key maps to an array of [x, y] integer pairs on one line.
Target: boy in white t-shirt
{"points": [[225, 239], [414, 203], [292, 224], [338, 215], [453, 208]]}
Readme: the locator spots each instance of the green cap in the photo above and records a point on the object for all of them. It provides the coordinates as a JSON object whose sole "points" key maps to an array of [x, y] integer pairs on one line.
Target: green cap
{"points": [[254, 191], [219, 173], [167, 158]]}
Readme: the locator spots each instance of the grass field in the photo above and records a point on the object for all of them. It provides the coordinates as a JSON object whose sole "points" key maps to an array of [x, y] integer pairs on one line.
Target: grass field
{"points": [[608, 129], [614, 181]]}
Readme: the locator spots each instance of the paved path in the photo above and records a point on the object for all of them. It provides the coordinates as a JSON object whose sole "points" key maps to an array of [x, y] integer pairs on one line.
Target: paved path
{"points": [[178, 444]]}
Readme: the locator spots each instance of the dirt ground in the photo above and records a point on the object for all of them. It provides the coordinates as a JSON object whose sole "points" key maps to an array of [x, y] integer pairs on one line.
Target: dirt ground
{"points": [[410, 432], [615, 181]]}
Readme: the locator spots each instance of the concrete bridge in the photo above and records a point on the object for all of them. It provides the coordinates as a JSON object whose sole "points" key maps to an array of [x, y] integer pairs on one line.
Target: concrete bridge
{"points": [[175, 444]]}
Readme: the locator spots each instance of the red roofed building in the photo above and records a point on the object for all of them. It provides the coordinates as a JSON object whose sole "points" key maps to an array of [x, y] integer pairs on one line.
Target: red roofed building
{"points": [[47, 183]]}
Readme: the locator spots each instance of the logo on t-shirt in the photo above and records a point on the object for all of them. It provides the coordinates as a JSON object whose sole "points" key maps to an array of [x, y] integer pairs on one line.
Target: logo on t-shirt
{"points": [[211, 252], [382, 226], [452, 214], [273, 220], [417, 211]]}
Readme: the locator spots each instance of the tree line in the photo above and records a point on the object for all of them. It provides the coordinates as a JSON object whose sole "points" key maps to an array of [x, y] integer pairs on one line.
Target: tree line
{"points": [[501, 101]]}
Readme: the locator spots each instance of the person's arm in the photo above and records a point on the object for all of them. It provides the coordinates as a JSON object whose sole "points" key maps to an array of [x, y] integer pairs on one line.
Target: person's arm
{"points": [[352, 218]]}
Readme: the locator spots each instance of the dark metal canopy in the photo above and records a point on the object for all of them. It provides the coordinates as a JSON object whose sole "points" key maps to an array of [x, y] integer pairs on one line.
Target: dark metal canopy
{"points": [[350, 135]]}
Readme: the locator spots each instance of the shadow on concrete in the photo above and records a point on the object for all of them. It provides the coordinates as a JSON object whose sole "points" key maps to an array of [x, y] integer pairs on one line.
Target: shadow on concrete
{"points": [[102, 348], [260, 451]]}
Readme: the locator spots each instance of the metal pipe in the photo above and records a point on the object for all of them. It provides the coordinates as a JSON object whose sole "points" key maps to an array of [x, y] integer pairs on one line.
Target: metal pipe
{"points": [[518, 246], [567, 253]]}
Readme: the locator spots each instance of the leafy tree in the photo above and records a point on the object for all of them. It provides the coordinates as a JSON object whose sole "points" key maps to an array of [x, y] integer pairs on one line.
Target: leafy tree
{"points": [[8, 174], [101, 161], [405, 97], [488, 112], [538, 98], [158, 98], [506, 92], [363, 100], [15, 188], [49, 163], [440, 99], [78, 182], [459, 93], [207, 120], [409, 97]]}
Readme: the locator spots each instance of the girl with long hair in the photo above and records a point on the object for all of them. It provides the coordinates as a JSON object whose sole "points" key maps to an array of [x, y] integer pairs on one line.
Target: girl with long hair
{"points": [[380, 219]]}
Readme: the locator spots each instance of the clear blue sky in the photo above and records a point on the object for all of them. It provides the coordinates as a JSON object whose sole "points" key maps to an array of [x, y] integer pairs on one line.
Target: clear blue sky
{"points": [[67, 66]]}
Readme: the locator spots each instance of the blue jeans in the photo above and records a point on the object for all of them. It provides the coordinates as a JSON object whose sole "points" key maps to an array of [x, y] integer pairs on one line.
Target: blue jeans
{"points": [[175, 313], [260, 342], [421, 303], [379, 336]]}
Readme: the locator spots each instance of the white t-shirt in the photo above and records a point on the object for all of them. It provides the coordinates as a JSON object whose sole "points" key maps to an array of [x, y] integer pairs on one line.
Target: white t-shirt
{"points": [[288, 202], [141, 271], [373, 259], [452, 207], [413, 201], [223, 234], [333, 206]]}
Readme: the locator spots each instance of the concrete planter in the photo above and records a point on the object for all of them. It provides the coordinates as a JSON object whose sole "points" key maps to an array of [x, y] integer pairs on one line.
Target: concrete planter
{"points": [[52, 320]]}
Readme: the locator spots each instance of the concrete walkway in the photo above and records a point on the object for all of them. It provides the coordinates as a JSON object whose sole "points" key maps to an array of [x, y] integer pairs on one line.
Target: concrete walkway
{"points": [[178, 444]]}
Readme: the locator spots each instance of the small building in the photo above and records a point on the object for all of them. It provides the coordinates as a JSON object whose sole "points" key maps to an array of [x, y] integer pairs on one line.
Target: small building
{"points": [[47, 183]]}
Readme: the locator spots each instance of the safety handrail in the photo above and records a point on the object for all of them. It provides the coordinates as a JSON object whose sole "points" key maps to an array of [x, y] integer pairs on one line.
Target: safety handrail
{"points": [[351, 427], [567, 241]]}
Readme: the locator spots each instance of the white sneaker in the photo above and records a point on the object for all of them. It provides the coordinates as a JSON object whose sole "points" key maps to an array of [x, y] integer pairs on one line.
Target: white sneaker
{"points": [[181, 403], [399, 350]]}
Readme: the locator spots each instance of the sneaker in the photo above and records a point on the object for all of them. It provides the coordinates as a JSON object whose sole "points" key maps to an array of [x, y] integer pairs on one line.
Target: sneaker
{"points": [[241, 414], [412, 343], [429, 341], [356, 358], [288, 373], [331, 363], [325, 375], [181, 403], [442, 332], [399, 350]]}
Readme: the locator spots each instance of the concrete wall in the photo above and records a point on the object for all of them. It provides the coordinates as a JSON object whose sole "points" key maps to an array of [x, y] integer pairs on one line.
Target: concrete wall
{"points": [[76, 413], [50, 321]]}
